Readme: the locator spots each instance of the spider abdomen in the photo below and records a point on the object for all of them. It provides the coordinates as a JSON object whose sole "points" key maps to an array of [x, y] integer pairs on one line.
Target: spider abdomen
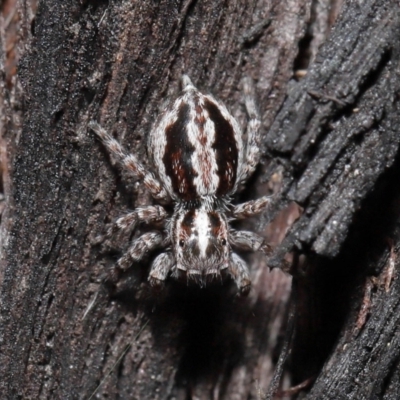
{"points": [[197, 147]]}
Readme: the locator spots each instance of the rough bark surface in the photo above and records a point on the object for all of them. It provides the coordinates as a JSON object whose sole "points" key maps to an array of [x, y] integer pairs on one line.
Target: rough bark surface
{"points": [[331, 145]]}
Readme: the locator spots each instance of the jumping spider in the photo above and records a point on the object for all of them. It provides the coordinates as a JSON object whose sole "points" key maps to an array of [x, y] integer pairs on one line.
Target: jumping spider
{"points": [[199, 161]]}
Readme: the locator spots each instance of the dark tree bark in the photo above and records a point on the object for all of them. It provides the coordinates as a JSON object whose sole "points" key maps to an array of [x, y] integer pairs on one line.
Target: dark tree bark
{"points": [[330, 145]]}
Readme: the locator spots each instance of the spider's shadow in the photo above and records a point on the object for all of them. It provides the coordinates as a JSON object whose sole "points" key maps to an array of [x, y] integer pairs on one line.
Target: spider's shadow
{"points": [[204, 327]]}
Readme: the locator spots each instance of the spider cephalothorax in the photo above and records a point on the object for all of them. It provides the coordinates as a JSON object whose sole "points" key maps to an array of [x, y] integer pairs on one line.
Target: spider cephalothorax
{"points": [[200, 160], [200, 241]]}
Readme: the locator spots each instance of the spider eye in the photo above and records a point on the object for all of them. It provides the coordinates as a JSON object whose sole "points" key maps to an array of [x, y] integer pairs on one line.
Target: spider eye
{"points": [[223, 242], [181, 243]]}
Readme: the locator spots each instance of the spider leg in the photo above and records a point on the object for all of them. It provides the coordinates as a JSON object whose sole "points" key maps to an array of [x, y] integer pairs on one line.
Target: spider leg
{"points": [[245, 240], [186, 82], [240, 273], [249, 241], [160, 268], [126, 224], [253, 144], [130, 163], [251, 208], [139, 248]]}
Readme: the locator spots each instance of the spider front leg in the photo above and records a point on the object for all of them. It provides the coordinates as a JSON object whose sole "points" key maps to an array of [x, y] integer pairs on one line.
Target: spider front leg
{"points": [[160, 269], [126, 224], [140, 247], [240, 273], [130, 163], [248, 241]]}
